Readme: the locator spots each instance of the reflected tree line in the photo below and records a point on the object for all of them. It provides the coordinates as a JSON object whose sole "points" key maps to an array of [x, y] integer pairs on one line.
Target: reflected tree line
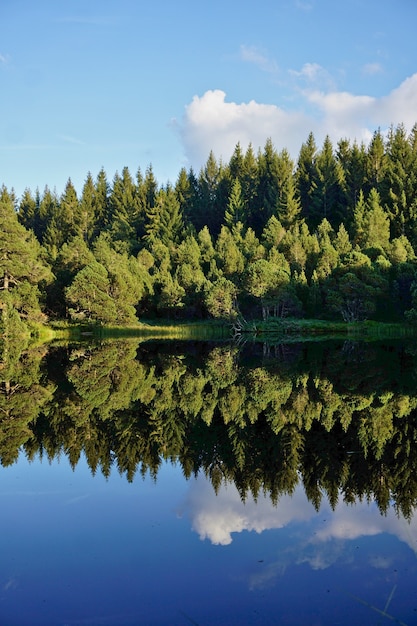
{"points": [[340, 418]]}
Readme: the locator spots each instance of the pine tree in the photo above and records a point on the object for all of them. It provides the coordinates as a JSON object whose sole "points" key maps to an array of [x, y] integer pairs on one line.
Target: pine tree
{"points": [[288, 205], [229, 258], [376, 162], [212, 200], [352, 160], [235, 211], [397, 189], [63, 220], [29, 209], [101, 207], [377, 227], [326, 195], [122, 211], [22, 267], [267, 194], [164, 219], [306, 175], [87, 209], [249, 183], [88, 295]]}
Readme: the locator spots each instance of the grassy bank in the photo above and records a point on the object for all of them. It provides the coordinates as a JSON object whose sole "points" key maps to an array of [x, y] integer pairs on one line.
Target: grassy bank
{"points": [[323, 328], [210, 330], [147, 330]]}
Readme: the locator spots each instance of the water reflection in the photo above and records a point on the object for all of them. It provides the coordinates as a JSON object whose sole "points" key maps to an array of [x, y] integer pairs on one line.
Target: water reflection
{"points": [[338, 418], [90, 550], [177, 483], [218, 517]]}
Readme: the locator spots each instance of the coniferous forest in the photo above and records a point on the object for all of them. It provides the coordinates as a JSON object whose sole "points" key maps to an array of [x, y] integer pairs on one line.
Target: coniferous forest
{"points": [[332, 235]]}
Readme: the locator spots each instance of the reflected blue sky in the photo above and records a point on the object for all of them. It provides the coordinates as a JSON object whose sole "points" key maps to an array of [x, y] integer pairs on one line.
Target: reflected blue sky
{"points": [[78, 550]]}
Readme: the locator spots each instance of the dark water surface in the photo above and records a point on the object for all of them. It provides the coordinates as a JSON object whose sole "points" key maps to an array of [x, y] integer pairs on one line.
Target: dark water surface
{"points": [[207, 485]]}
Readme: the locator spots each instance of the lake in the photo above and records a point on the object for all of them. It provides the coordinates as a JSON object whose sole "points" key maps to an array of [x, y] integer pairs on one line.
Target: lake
{"points": [[203, 483]]}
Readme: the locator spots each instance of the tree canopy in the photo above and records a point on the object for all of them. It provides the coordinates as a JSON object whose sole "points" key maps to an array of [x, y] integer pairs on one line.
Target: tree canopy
{"points": [[259, 235]]}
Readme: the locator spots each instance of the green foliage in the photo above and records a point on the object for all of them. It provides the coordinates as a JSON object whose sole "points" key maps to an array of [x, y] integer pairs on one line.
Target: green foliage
{"points": [[220, 299], [316, 213], [88, 296]]}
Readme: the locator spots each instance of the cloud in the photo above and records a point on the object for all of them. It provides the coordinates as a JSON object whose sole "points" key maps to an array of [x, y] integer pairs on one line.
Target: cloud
{"points": [[71, 140], [312, 73], [4, 59], [212, 123], [318, 540], [217, 517], [251, 54], [372, 68], [303, 6]]}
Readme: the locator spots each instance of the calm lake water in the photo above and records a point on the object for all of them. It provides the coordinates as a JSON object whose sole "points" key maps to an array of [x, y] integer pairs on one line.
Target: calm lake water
{"points": [[206, 484]]}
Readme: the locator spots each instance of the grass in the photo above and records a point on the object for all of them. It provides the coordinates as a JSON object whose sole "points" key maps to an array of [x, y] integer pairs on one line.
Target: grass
{"points": [[166, 329], [274, 329], [147, 330], [324, 328]]}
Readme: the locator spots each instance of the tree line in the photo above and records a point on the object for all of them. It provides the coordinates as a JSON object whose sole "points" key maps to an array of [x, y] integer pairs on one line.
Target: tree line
{"points": [[332, 235]]}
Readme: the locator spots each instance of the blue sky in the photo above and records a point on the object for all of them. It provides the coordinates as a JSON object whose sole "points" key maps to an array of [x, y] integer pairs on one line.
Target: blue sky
{"points": [[86, 84]]}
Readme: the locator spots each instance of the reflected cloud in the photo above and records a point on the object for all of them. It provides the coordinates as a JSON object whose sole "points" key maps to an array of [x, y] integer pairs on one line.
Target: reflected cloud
{"points": [[12, 583], [317, 539], [77, 499], [218, 517]]}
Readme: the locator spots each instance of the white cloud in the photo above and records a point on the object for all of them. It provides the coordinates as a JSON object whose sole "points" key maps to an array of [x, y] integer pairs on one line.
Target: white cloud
{"points": [[311, 72], [372, 68], [251, 54], [304, 6], [212, 123], [71, 139], [4, 58]]}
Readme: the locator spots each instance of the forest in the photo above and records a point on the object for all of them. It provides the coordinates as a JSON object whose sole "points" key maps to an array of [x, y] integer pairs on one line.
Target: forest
{"points": [[332, 235]]}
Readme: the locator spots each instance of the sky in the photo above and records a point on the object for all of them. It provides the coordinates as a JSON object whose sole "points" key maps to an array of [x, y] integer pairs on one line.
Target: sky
{"points": [[91, 84]]}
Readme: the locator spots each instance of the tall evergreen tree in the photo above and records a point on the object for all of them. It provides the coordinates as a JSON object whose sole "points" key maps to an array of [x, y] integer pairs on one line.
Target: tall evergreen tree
{"points": [[288, 204], [352, 160], [376, 162], [164, 220], [87, 209], [212, 196], [306, 175], [64, 221], [249, 183], [28, 210], [101, 203], [267, 195], [326, 194], [397, 190], [235, 211], [123, 210]]}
